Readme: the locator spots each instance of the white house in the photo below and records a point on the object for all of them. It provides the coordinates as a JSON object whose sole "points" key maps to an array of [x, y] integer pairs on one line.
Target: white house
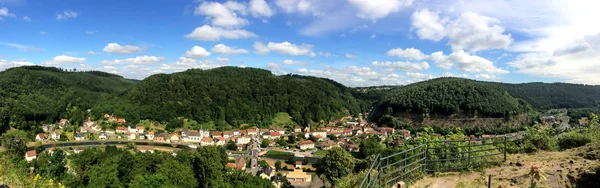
{"points": [[243, 140], [132, 129], [281, 131], [306, 144], [102, 136], [191, 136], [236, 132], [321, 134], [30, 155], [206, 141], [79, 136], [219, 141], [40, 136], [141, 129], [122, 130], [150, 135], [55, 135]]}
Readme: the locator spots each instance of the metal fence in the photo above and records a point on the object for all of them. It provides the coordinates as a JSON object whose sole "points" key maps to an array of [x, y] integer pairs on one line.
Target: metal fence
{"points": [[434, 156]]}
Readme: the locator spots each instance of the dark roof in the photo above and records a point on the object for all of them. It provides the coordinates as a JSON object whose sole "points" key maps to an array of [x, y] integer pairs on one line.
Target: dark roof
{"points": [[267, 170]]}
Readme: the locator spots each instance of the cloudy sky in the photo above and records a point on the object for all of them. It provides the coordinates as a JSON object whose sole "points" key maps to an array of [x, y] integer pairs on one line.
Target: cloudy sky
{"points": [[355, 42]]}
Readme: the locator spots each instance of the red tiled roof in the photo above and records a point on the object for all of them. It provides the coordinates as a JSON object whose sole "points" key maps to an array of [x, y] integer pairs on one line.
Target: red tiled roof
{"points": [[274, 133], [306, 142], [206, 139], [31, 153], [122, 128], [230, 165], [298, 162]]}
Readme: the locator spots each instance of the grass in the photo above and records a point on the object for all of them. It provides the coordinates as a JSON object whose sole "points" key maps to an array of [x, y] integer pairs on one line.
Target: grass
{"points": [[278, 153], [282, 119], [320, 153], [70, 135]]}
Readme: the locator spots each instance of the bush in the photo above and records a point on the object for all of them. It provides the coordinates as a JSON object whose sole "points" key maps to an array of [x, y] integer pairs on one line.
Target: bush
{"points": [[573, 139]]}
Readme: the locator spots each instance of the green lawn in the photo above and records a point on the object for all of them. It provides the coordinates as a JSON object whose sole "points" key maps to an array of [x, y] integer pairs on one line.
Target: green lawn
{"points": [[70, 135], [278, 153], [321, 153]]}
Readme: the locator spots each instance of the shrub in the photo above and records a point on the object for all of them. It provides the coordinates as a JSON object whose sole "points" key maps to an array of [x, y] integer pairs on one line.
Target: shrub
{"points": [[573, 139]]}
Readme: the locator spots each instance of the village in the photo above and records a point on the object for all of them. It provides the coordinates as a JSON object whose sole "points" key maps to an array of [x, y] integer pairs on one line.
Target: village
{"points": [[254, 150]]}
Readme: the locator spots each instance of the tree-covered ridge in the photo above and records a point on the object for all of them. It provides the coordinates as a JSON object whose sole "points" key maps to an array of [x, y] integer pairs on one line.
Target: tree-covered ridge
{"points": [[231, 96], [451, 96], [545, 96], [31, 95]]}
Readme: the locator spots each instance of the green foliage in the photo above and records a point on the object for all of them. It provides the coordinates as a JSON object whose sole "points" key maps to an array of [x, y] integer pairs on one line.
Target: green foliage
{"points": [[231, 145], [265, 143], [15, 142], [278, 165], [371, 146], [174, 123], [573, 139], [556, 95], [538, 138], [291, 160], [337, 164]]}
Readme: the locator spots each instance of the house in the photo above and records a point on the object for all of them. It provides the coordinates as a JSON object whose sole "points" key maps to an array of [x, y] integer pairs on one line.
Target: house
{"points": [[405, 134], [40, 137], [142, 137], [227, 134], [307, 135], [206, 141], [132, 129], [145, 149], [45, 128], [50, 151], [132, 136], [79, 136], [328, 145], [102, 136], [78, 150], [298, 176], [297, 129], [159, 138], [298, 164], [55, 135], [240, 147], [347, 132], [243, 140], [274, 135], [352, 147], [122, 130], [230, 165], [236, 132], [150, 135], [306, 144], [386, 130], [216, 133], [263, 131], [320, 133], [240, 163], [121, 120], [30, 155], [281, 131], [266, 135], [174, 137], [141, 129], [251, 132], [106, 116], [219, 141], [191, 136], [62, 123], [267, 172]]}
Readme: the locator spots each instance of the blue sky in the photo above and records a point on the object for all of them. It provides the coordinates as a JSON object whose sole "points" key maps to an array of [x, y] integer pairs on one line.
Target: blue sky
{"points": [[355, 42]]}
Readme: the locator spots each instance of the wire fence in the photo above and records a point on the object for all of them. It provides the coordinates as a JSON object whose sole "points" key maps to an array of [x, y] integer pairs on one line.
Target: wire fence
{"points": [[434, 156]]}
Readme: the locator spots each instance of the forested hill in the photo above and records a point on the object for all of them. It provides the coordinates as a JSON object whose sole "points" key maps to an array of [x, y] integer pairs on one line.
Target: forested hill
{"points": [[231, 96], [556, 95], [31, 95], [450, 96]]}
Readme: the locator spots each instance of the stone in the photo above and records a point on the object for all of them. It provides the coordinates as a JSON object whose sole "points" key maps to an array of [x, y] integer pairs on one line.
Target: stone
{"points": [[519, 164], [571, 162]]}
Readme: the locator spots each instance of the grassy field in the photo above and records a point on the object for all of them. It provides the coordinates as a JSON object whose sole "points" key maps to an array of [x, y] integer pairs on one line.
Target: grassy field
{"points": [[320, 153], [281, 120], [70, 135], [278, 153]]}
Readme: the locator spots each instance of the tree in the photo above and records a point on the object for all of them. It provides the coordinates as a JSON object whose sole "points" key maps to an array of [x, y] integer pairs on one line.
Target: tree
{"points": [[173, 124], [305, 161], [15, 142], [338, 163], [291, 160], [231, 145], [209, 166], [332, 137], [291, 138], [265, 143], [278, 165], [371, 145], [282, 143], [285, 183]]}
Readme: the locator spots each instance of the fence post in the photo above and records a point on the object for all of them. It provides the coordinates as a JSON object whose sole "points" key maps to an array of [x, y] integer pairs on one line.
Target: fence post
{"points": [[404, 170], [504, 148], [469, 155]]}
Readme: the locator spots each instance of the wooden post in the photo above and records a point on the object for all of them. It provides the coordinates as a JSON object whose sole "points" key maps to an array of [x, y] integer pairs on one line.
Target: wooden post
{"points": [[489, 181], [469, 155], [505, 148], [404, 170]]}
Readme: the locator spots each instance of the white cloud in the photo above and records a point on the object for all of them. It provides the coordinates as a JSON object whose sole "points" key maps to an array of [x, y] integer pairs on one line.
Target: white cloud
{"points": [[417, 77], [292, 62], [373, 36], [354, 76], [67, 14], [26, 18], [284, 48], [43, 33], [260, 8], [62, 60], [469, 31], [402, 66], [300, 6], [409, 53], [466, 62], [223, 15], [5, 13], [228, 50], [208, 33], [196, 52], [90, 32], [136, 60], [5, 64], [374, 10], [90, 53], [350, 56], [23, 47], [116, 48], [185, 63], [222, 60]]}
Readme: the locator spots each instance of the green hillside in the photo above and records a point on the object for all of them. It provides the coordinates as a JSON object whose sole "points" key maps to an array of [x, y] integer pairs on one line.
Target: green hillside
{"points": [[32, 95], [545, 96], [230, 96]]}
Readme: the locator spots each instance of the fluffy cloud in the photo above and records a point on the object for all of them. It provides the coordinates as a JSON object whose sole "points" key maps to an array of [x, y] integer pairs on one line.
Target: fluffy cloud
{"points": [[469, 31], [222, 60], [402, 66], [116, 48], [5, 13], [185, 63], [300, 6], [354, 76], [62, 60], [260, 8], [135, 61], [292, 62], [208, 33], [5, 64], [90, 53], [67, 14], [409, 53], [350, 56], [26, 18], [223, 15], [466, 62], [284, 48], [22, 47], [227, 50], [374, 10], [196, 52]]}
